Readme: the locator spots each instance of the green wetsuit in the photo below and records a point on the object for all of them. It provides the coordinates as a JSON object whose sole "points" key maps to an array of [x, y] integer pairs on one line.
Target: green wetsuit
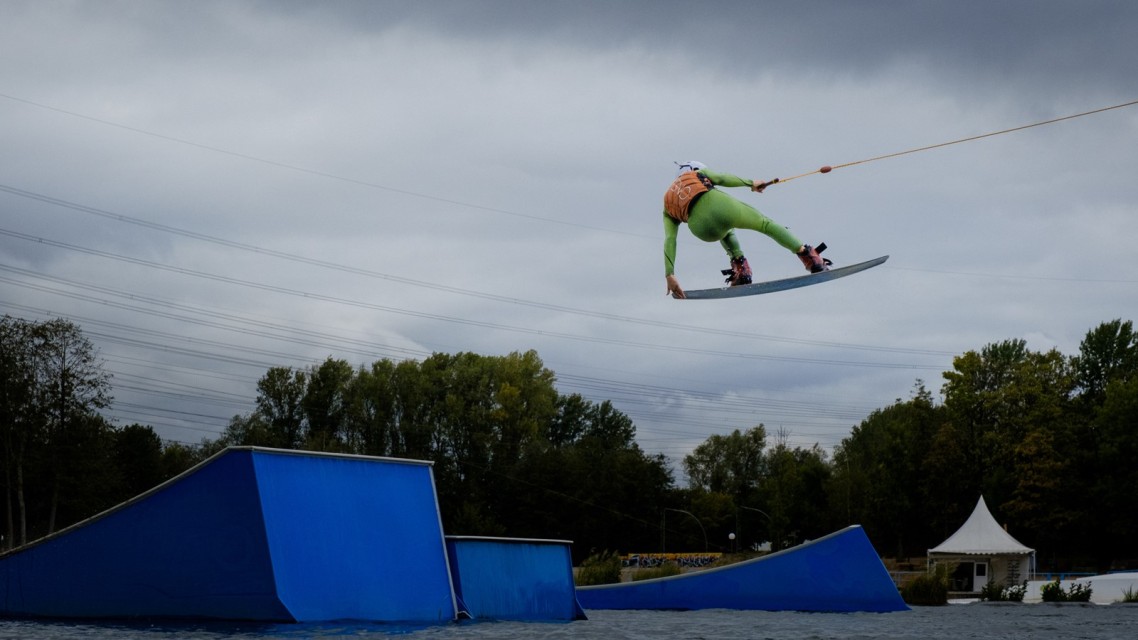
{"points": [[715, 215]]}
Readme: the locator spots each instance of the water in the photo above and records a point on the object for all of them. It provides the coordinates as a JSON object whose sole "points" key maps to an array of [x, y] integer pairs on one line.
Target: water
{"points": [[954, 622]]}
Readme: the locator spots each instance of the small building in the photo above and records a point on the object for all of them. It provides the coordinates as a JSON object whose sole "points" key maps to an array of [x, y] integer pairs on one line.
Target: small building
{"points": [[983, 552]]}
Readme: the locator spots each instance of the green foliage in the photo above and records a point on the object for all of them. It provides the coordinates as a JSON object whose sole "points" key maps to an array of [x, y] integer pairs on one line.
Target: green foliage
{"points": [[1014, 429], [599, 568], [54, 444], [731, 464], [1115, 448], [928, 589], [137, 454], [1052, 592], [794, 493], [996, 398], [598, 489], [280, 393], [993, 592], [1079, 592], [663, 571], [1076, 592], [1107, 353], [177, 458], [1031, 431], [1129, 595], [883, 474], [1015, 592], [512, 455], [325, 405]]}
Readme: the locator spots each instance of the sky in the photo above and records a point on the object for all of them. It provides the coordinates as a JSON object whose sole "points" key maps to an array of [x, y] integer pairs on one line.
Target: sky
{"points": [[213, 188]]}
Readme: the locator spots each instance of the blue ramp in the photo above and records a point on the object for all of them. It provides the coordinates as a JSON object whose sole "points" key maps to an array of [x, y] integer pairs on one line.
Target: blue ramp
{"points": [[839, 573], [354, 538], [513, 578], [250, 534]]}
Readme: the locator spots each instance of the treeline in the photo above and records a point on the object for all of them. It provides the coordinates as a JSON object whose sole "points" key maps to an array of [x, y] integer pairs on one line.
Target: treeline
{"points": [[512, 456], [1049, 440], [62, 461]]}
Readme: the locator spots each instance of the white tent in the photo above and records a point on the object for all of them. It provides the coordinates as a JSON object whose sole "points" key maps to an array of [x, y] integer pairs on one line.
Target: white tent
{"points": [[981, 544]]}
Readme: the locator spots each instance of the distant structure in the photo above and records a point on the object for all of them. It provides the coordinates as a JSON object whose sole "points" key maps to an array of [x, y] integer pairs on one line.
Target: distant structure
{"points": [[983, 552]]}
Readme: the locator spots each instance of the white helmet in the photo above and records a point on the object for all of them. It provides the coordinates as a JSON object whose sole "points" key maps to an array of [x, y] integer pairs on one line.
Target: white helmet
{"points": [[691, 165]]}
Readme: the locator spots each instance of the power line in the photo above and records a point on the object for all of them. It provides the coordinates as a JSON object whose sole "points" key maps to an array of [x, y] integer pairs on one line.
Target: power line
{"points": [[450, 319], [313, 172], [594, 384], [272, 330], [644, 393], [622, 391], [439, 287]]}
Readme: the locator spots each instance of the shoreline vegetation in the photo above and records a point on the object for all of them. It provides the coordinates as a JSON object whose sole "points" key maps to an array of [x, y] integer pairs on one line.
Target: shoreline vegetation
{"points": [[1048, 439]]}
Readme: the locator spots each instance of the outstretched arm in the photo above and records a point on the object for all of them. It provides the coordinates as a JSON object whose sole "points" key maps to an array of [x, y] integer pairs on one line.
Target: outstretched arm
{"points": [[726, 179], [671, 229], [732, 180]]}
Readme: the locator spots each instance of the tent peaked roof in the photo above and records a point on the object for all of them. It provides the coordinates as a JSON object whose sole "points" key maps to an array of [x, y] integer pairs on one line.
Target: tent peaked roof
{"points": [[981, 535]]}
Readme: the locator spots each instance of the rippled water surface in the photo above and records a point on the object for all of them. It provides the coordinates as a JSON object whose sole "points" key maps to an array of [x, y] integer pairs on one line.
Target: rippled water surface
{"points": [[954, 622]]}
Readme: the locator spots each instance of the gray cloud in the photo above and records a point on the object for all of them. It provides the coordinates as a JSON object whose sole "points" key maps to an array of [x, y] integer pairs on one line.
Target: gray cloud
{"points": [[489, 174]]}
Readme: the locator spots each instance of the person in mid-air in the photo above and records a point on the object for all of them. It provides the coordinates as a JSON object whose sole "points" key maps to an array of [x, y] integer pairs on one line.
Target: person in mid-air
{"points": [[712, 216]]}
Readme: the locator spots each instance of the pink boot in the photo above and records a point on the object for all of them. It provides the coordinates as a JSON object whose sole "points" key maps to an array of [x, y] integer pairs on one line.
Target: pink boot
{"points": [[813, 262], [739, 273]]}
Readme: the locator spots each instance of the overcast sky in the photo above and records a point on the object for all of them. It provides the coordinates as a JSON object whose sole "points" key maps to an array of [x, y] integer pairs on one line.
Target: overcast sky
{"points": [[209, 189]]}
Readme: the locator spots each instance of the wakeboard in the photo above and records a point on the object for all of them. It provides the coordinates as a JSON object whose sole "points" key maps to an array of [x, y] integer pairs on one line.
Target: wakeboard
{"points": [[772, 286]]}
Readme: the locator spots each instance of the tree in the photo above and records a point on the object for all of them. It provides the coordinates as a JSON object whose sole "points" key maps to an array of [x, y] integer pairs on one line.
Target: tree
{"points": [[325, 404], [974, 401], [569, 421], [280, 393], [994, 398], [589, 482], [249, 430], [1040, 473], [1108, 352], [177, 458], [487, 412], [71, 385], [946, 471], [19, 420], [84, 476], [417, 396], [1116, 501], [732, 464], [138, 458], [52, 385], [880, 475], [731, 477], [1105, 369], [372, 426], [794, 493]]}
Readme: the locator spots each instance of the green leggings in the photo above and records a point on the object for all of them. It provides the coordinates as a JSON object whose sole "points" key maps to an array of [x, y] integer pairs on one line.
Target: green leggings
{"points": [[715, 214]]}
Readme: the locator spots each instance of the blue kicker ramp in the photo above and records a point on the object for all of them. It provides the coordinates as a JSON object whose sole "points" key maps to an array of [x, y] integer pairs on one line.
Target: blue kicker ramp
{"points": [[250, 534], [840, 572], [514, 578]]}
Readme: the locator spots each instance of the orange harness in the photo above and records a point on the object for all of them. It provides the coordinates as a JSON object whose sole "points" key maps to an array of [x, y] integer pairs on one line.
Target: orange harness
{"points": [[679, 197]]}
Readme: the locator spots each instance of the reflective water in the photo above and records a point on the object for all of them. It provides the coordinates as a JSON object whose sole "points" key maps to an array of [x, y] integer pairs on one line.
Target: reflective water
{"points": [[954, 622]]}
